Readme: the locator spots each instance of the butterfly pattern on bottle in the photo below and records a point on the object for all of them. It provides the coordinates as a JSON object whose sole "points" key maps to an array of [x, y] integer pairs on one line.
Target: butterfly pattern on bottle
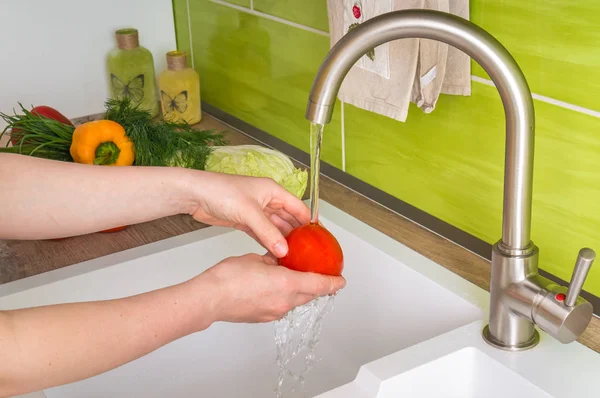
{"points": [[178, 103], [133, 89]]}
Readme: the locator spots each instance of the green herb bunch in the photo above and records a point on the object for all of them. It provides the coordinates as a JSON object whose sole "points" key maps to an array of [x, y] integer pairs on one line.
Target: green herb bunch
{"points": [[38, 136], [162, 143]]}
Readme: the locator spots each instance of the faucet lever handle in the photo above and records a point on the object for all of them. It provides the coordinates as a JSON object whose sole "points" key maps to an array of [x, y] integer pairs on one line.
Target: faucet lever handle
{"points": [[582, 267]]}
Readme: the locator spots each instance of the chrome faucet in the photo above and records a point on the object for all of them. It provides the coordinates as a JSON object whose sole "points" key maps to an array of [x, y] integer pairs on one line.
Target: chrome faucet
{"points": [[519, 297]]}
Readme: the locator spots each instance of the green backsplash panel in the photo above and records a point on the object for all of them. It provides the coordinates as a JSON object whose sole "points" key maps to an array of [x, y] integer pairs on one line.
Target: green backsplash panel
{"points": [[556, 43], [450, 164], [260, 71], [243, 3], [182, 34], [312, 13]]}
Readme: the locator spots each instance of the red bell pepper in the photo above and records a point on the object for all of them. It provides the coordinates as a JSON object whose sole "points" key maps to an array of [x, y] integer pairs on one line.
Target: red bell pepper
{"points": [[51, 113]]}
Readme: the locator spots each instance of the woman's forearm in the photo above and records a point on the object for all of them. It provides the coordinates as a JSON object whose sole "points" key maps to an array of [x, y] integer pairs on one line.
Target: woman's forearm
{"points": [[43, 199], [53, 345]]}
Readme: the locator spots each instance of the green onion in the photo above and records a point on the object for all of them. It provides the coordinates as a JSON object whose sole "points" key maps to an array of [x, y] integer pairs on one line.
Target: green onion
{"points": [[38, 136]]}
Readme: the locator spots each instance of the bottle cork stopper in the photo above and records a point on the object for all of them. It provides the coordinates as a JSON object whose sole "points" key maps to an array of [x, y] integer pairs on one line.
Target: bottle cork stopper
{"points": [[127, 39], [176, 60]]}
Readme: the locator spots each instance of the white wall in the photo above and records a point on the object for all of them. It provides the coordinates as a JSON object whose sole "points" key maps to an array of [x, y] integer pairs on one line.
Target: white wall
{"points": [[53, 52]]}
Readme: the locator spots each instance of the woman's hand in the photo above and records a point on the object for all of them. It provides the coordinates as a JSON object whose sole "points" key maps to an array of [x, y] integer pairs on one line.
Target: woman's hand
{"points": [[253, 288], [79, 199], [257, 206], [58, 344]]}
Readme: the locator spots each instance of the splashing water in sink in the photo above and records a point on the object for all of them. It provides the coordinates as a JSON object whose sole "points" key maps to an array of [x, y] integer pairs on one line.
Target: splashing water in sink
{"points": [[296, 337], [297, 334]]}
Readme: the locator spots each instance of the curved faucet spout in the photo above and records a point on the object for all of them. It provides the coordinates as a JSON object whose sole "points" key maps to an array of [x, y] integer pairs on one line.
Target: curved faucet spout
{"points": [[519, 296], [497, 62]]}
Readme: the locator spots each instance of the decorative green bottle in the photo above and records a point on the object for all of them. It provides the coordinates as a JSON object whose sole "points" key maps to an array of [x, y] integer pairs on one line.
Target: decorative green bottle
{"points": [[131, 72]]}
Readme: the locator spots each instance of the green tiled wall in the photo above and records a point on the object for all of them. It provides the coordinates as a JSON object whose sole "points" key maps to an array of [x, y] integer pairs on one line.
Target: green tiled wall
{"points": [[260, 71], [243, 3], [554, 41], [450, 162], [182, 34], [311, 13]]}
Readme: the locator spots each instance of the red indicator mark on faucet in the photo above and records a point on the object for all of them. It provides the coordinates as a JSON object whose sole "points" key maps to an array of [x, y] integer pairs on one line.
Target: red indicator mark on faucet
{"points": [[560, 296], [356, 11]]}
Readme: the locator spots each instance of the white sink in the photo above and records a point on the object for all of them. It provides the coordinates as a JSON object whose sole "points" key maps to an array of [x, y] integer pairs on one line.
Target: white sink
{"points": [[394, 299], [467, 373], [460, 364]]}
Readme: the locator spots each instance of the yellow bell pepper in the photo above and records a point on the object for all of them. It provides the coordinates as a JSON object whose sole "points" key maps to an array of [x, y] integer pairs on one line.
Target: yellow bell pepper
{"points": [[102, 142]]}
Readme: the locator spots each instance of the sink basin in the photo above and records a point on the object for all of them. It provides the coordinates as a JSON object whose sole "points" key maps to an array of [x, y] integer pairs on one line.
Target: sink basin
{"points": [[460, 364], [393, 300], [467, 373]]}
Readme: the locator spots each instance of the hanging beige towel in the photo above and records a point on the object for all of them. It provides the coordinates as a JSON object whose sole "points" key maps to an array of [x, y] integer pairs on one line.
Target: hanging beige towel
{"points": [[389, 77], [431, 65], [457, 80]]}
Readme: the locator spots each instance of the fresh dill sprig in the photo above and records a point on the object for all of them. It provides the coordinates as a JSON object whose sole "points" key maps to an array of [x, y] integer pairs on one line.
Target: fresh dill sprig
{"points": [[162, 143], [156, 142]]}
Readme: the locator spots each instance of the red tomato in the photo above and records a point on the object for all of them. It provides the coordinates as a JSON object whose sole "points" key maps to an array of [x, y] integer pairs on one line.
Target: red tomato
{"points": [[312, 248], [116, 229], [42, 110]]}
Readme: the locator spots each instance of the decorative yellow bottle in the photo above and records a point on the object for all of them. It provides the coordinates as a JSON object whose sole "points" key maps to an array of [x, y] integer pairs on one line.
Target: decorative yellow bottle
{"points": [[179, 87]]}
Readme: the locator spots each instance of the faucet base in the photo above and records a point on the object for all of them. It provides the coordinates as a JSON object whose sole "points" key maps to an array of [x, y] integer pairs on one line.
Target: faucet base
{"points": [[487, 337]]}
